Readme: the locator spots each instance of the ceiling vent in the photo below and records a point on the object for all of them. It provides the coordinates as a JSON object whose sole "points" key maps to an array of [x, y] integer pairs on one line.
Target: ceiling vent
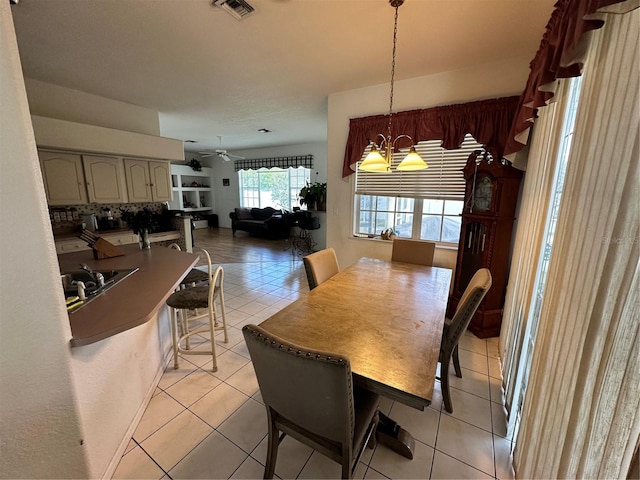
{"points": [[238, 8]]}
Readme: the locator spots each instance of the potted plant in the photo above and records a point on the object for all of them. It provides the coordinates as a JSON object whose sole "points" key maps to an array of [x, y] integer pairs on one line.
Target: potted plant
{"points": [[314, 196]]}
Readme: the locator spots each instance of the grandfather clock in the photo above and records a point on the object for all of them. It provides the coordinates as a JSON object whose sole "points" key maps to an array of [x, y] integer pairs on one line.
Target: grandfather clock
{"points": [[491, 194]]}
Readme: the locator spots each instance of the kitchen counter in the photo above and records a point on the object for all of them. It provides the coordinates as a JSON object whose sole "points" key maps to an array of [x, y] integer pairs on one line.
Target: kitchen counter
{"points": [[70, 242], [133, 301]]}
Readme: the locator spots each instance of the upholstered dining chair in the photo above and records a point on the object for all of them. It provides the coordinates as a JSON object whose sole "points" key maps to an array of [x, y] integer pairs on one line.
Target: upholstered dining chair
{"points": [[320, 266], [185, 304], [455, 327], [309, 395], [412, 251]]}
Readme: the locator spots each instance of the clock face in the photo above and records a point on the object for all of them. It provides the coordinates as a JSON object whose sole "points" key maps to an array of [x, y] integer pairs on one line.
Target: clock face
{"points": [[482, 194]]}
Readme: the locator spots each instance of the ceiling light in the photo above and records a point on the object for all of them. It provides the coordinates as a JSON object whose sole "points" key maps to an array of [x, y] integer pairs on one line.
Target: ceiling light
{"points": [[380, 157]]}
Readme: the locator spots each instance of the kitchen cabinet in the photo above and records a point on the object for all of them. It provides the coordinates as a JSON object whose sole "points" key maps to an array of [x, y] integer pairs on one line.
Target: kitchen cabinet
{"points": [[192, 190], [104, 178], [147, 180], [63, 178]]}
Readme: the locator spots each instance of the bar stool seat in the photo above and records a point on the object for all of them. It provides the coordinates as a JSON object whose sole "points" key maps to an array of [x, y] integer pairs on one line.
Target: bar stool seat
{"points": [[191, 298], [195, 276]]}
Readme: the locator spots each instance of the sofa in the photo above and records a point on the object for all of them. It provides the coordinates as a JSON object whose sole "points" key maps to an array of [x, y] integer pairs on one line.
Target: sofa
{"points": [[264, 222]]}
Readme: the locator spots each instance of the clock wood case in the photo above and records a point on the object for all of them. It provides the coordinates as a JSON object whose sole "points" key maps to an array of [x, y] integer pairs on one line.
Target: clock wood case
{"points": [[491, 195]]}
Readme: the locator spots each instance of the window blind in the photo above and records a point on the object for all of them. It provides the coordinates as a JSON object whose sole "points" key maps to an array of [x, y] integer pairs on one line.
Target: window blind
{"points": [[442, 180]]}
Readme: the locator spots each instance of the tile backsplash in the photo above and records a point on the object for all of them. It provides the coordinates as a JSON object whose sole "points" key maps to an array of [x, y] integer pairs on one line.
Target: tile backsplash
{"points": [[68, 218]]}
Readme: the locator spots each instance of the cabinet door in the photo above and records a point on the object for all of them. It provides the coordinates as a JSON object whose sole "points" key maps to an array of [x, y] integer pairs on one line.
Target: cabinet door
{"points": [[105, 179], [160, 181], [63, 178], [138, 181]]}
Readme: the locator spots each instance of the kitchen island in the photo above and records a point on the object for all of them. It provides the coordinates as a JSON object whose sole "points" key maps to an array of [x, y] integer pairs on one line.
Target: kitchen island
{"points": [[120, 346], [131, 302]]}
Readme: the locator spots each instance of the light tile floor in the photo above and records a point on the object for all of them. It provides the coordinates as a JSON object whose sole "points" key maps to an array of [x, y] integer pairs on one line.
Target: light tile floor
{"points": [[201, 424]]}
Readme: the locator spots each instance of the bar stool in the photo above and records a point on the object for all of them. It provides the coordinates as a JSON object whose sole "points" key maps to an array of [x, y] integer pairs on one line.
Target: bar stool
{"points": [[195, 276], [192, 298]]}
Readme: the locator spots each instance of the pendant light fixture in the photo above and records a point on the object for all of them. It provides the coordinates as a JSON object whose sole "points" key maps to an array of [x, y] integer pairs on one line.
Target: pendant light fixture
{"points": [[380, 157]]}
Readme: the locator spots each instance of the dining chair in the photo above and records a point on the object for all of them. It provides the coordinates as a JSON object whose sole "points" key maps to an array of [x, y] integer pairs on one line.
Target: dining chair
{"points": [[185, 304], [412, 251], [455, 327], [309, 395], [320, 266]]}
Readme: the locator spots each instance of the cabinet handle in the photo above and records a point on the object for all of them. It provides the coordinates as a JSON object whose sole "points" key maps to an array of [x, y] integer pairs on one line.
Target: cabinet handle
{"points": [[151, 184]]}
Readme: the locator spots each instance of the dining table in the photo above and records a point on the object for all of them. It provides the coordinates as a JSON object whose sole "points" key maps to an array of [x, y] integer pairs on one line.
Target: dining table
{"points": [[387, 318]]}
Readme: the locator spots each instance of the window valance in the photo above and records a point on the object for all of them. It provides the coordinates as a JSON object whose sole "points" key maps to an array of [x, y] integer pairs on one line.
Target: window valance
{"points": [[488, 121], [275, 162], [560, 55]]}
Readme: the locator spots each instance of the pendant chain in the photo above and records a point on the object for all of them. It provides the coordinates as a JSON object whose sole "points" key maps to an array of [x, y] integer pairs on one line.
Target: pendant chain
{"points": [[393, 68]]}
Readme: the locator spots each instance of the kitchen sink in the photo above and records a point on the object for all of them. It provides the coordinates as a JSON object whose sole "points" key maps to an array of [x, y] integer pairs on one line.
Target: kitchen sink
{"points": [[92, 287]]}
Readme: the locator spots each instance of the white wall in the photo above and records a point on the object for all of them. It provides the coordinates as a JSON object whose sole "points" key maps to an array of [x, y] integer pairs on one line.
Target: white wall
{"points": [[64, 413], [503, 78], [40, 429], [228, 198], [53, 101]]}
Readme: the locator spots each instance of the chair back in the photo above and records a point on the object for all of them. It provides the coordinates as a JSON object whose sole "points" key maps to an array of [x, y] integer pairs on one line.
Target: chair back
{"points": [[469, 302], [216, 284], [309, 388], [208, 257], [320, 266], [412, 251]]}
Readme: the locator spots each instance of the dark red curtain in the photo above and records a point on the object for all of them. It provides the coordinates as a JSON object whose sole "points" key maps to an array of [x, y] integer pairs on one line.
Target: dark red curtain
{"points": [[560, 55], [488, 121]]}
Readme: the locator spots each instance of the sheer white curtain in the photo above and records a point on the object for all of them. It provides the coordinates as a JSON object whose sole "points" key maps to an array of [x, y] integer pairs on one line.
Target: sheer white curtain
{"points": [[536, 194], [581, 412]]}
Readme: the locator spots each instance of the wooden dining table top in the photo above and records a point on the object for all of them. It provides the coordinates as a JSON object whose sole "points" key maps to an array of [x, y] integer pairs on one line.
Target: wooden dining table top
{"points": [[386, 317]]}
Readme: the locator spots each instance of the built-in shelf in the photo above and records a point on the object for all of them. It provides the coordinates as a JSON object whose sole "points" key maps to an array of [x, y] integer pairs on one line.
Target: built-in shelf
{"points": [[188, 197]]}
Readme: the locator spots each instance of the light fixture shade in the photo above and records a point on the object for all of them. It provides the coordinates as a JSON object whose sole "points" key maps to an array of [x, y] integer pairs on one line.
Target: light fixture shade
{"points": [[374, 162], [412, 162]]}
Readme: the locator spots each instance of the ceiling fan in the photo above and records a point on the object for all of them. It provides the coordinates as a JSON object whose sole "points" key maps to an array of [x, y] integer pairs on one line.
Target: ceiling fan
{"points": [[222, 153]]}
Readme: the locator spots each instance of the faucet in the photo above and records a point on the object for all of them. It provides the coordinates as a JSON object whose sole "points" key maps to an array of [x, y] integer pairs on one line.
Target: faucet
{"points": [[97, 276], [81, 291]]}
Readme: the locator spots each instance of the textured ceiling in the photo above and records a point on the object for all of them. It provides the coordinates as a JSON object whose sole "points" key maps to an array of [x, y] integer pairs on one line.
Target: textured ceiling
{"points": [[211, 75]]}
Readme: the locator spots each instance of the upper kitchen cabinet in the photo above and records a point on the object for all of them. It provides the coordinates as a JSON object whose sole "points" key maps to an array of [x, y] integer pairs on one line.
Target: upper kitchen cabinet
{"points": [[105, 179], [160, 181], [147, 180], [63, 178]]}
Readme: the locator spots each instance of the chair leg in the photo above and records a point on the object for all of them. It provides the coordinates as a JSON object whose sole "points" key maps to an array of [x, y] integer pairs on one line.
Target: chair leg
{"points": [[212, 330], [346, 468], [456, 362], [272, 447], [174, 337], [184, 316], [224, 317], [444, 382]]}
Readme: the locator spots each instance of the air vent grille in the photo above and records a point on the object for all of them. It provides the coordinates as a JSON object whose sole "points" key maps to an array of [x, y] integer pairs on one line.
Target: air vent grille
{"points": [[238, 8]]}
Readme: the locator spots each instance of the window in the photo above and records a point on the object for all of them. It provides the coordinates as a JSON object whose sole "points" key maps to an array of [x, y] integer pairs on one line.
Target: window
{"points": [[423, 205], [275, 187], [539, 287]]}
